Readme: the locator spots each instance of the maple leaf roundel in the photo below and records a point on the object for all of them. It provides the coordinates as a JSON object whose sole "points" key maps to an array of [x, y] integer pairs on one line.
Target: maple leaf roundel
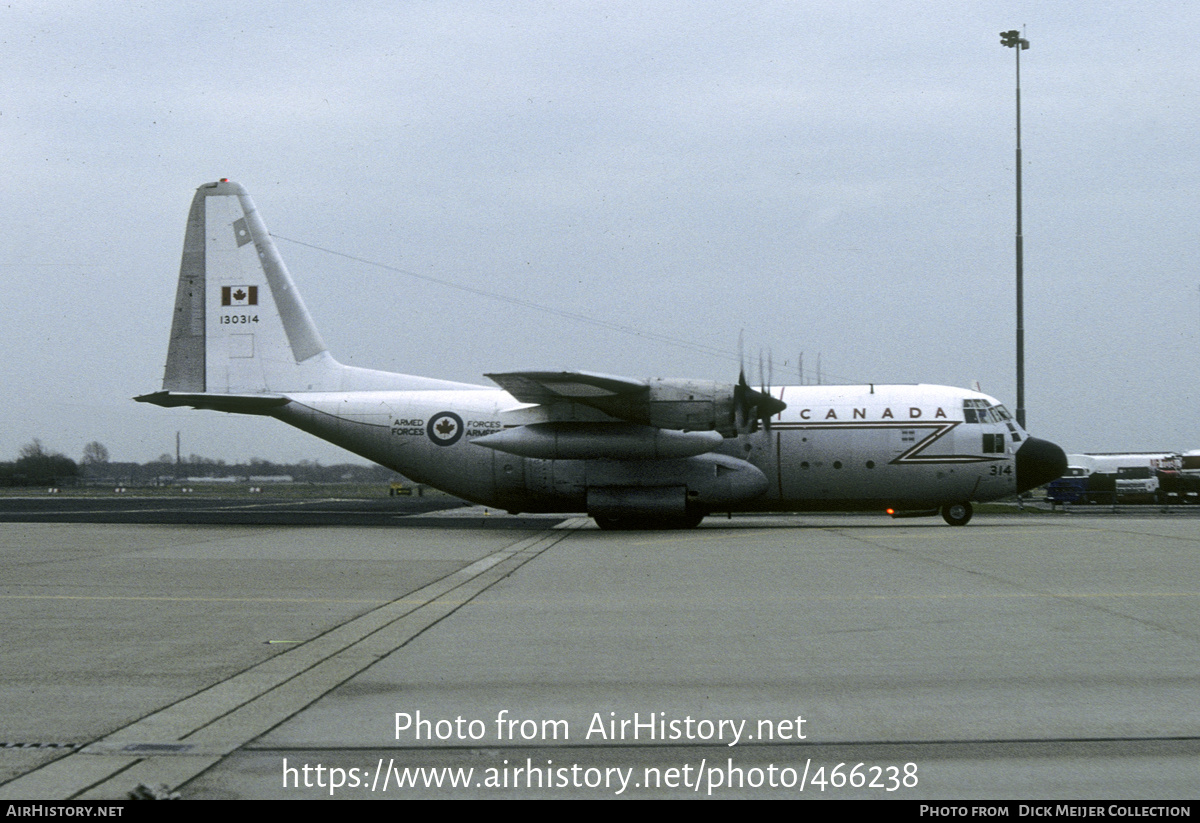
{"points": [[444, 428]]}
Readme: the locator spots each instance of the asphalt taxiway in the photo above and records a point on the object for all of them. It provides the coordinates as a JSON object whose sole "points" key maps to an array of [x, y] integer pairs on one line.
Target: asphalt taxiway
{"points": [[1036, 656]]}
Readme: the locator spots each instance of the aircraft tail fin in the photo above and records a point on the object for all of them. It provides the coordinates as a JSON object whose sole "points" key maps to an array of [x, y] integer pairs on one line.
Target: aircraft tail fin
{"points": [[240, 326]]}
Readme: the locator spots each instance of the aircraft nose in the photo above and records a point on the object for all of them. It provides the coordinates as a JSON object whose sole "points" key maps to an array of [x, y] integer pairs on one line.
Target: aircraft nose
{"points": [[1038, 462]]}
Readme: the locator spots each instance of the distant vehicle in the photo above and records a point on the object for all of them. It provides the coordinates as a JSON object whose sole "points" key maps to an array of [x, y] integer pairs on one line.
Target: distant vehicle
{"points": [[1145, 477], [1109, 463], [1072, 487], [1137, 484], [1178, 486]]}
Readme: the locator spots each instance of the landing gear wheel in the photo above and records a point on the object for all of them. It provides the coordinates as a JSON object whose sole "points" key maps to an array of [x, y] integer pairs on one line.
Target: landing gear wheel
{"points": [[957, 514]]}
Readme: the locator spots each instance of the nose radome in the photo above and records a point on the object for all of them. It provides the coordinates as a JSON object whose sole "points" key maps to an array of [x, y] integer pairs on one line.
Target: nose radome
{"points": [[1038, 462]]}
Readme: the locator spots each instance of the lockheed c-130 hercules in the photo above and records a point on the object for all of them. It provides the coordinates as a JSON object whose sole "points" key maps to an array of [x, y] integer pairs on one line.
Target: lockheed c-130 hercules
{"points": [[629, 453]]}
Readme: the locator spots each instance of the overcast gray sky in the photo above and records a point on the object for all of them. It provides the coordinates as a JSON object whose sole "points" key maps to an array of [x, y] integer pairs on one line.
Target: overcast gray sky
{"points": [[834, 178]]}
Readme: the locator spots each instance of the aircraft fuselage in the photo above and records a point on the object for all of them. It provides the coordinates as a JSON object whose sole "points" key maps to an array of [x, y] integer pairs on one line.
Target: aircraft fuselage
{"points": [[834, 447]]}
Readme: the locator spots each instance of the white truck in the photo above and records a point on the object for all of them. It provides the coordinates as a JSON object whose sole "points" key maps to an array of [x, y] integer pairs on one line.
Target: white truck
{"points": [[1142, 484]]}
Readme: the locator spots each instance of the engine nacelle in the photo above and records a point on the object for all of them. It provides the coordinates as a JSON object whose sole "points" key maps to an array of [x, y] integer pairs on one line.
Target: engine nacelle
{"points": [[703, 405], [673, 404], [691, 405]]}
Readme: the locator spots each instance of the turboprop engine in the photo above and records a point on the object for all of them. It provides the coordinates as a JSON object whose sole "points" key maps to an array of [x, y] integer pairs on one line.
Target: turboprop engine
{"points": [[640, 420], [677, 405]]}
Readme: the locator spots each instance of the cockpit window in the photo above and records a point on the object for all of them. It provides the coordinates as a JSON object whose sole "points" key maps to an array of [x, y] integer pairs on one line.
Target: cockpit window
{"points": [[981, 411], [975, 411]]}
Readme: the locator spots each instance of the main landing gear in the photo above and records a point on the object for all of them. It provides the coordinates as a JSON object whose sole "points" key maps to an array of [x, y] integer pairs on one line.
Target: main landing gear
{"points": [[957, 514]]}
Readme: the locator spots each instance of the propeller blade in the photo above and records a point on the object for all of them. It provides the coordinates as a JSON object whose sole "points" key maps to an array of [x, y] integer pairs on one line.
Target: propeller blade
{"points": [[752, 406], [767, 414], [741, 356]]}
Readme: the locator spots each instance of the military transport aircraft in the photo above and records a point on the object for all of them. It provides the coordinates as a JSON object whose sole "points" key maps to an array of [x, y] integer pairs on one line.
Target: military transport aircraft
{"points": [[629, 453]]}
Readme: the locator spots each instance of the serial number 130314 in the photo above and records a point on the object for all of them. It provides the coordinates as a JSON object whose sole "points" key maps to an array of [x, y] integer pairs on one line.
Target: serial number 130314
{"points": [[233, 319]]}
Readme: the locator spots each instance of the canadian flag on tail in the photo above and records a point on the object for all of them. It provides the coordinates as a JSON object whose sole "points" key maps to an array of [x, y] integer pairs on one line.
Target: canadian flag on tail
{"points": [[239, 295]]}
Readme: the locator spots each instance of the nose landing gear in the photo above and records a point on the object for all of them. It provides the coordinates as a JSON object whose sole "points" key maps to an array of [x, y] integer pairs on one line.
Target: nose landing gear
{"points": [[957, 514]]}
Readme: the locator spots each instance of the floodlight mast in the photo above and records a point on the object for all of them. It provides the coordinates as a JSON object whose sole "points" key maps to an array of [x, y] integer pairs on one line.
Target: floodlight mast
{"points": [[1013, 40]]}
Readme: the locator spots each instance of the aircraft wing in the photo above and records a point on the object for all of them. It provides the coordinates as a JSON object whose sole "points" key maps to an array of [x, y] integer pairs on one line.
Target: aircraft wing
{"points": [[596, 390]]}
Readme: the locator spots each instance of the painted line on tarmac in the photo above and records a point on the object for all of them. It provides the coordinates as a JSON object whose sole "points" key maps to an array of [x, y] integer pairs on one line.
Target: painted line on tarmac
{"points": [[177, 743], [163, 598]]}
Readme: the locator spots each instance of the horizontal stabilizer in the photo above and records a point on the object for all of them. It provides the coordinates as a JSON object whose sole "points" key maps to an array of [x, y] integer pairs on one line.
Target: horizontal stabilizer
{"points": [[233, 403]]}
